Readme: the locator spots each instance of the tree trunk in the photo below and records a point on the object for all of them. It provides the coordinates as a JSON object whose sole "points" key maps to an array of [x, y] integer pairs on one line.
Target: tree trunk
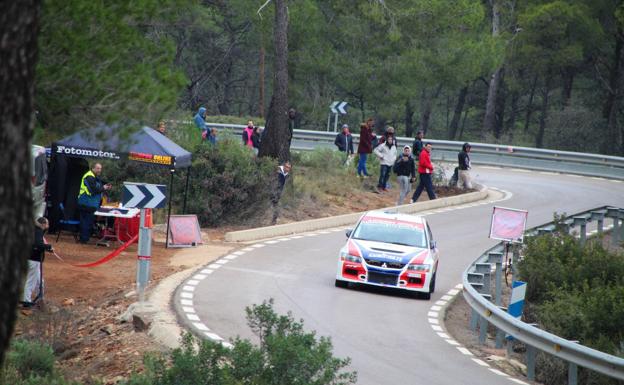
{"points": [[566, 91], [425, 114], [610, 142], [19, 25], [409, 118], [459, 107], [489, 121], [539, 138], [511, 122], [499, 109], [261, 81], [529, 108], [277, 138]]}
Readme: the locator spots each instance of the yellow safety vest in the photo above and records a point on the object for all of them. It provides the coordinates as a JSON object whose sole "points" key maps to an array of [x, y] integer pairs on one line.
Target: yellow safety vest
{"points": [[83, 185]]}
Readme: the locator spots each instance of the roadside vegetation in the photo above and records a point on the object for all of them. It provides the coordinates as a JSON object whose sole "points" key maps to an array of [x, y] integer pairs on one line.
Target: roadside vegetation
{"points": [[575, 292]]}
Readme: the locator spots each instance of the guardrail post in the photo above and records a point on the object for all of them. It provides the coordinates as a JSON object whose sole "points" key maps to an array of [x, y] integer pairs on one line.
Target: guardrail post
{"points": [[599, 215], [530, 358], [485, 269], [497, 259], [572, 374], [582, 222], [476, 280], [614, 212]]}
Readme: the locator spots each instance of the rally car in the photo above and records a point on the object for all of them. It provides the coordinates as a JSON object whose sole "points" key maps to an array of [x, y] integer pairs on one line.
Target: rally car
{"points": [[390, 250]]}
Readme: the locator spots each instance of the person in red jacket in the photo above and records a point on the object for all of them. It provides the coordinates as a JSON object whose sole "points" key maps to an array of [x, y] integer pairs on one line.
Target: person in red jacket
{"points": [[425, 169], [365, 146]]}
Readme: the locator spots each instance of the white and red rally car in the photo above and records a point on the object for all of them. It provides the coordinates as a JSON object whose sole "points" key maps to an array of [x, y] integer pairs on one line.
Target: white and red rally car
{"points": [[390, 250]]}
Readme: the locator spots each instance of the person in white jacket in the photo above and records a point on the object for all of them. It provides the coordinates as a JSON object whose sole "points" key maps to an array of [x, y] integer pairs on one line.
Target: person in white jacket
{"points": [[387, 153]]}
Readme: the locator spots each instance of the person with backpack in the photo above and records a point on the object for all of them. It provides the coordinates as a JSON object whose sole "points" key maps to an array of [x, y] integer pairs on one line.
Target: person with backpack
{"points": [[344, 142], [463, 176], [417, 146], [405, 169], [387, 153]]}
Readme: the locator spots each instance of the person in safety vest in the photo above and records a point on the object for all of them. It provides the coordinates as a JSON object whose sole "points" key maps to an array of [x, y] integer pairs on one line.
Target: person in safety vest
{"points": [[89, 198]]}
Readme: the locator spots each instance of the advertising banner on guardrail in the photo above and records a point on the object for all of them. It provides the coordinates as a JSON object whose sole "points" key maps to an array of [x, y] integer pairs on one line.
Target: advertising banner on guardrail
{"points": [[508, 224]]}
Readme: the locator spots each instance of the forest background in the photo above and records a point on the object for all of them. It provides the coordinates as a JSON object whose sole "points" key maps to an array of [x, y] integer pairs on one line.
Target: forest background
{"points": [[529, 72]]}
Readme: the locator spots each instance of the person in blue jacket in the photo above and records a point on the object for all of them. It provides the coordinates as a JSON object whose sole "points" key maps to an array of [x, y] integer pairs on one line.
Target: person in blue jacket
{"points": [[200, 121]]}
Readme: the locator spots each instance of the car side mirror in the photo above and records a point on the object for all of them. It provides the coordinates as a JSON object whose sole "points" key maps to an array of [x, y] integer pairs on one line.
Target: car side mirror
{"points": [[433, 245], [348, 232]]}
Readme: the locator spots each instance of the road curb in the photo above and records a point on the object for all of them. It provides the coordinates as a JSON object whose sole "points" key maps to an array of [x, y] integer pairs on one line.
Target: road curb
{"points": [[348, 219]]}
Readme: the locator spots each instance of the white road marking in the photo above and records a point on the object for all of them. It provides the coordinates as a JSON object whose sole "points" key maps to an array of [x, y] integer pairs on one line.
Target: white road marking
{"points": [[238, 253], [435, 308], [188, 288], [192, 282], [433, 321], [222, 261], [615, 181], [459, 286], [214, 266], [498, 372], [521, 170], [271, 242], [453, 342], [443, 335], [440, 302], [247, 249], [187, 309], [464, 351], [213, 336], [200, 326], [446, 297], [186, 295], [311, 234], [199, 277], [186, 302], [297, 237], [258, 245], [284, 239], [432, 314], [437, 328], [231, 257], [480, 362], [547, 173], [192, 317], [517, 381], [453, 291], [207, 271], [227, 345]]}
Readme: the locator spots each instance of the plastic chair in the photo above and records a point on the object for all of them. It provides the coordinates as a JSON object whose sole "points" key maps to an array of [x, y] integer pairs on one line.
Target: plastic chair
{"points": [[67, 222]]}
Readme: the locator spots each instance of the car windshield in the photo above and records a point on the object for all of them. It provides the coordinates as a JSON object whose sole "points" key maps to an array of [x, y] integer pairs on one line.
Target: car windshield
{"points": [[398, 233]]}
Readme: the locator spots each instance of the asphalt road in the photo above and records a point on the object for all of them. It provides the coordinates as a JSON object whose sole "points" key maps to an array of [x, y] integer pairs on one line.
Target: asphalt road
{"points": [[386, 334]]}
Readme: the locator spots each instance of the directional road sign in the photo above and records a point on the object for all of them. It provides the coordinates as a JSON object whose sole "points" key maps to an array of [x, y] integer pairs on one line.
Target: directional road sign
{"points": [[338, 108], [144, 196]]}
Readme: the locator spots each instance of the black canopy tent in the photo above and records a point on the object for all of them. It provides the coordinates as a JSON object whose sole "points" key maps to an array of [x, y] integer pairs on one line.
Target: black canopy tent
{"points": [[145, 145]]}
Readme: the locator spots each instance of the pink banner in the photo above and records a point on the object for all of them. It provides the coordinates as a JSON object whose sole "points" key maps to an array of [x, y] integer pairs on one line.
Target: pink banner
{"points": [[508, 224]]}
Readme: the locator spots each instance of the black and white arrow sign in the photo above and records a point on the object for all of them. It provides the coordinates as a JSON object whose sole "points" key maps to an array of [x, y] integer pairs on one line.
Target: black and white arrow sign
{"points": [[144, 196], [338, 108]]}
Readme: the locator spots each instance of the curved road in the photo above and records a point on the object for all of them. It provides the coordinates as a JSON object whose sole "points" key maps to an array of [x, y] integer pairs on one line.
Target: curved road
{"points": [[387, 335]]}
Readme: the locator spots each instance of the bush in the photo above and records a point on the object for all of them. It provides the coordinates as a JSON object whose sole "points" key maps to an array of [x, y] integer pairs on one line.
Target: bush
{"points": [[30, 363], [286, 355]]}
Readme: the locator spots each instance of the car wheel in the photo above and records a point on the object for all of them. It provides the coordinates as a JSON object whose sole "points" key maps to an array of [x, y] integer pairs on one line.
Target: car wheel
{"points": [[343, 284], [432, 284]]}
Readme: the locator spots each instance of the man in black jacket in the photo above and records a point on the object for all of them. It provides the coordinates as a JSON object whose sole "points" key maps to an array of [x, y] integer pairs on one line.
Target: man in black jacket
{"points": [[417, 146], [463, 158], [406, 173], [344, 141], [34, 279]]}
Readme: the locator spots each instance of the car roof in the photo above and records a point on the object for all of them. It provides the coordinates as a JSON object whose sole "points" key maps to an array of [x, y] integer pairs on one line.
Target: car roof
{"points": [[394, 216]]}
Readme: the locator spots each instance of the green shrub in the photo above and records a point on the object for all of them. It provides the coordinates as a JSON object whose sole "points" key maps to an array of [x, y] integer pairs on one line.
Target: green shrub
{"points": [[287, 354], [30, 363]]}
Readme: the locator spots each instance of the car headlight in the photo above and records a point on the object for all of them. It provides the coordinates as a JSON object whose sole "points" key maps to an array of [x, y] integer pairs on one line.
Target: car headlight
{"points": [[350, 258], [419, 267]]}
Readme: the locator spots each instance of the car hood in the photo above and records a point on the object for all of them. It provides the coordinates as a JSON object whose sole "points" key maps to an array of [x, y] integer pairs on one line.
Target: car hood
{"points": [[385, 252]]}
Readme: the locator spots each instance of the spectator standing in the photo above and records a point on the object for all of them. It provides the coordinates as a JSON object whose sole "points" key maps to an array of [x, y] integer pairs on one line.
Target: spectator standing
{"points": [[344, 141], [417, 146], [387, 154], [34, 278], [405, 169], [425, 169], [212, 136], [162, 127], [89, 198], [365, 146], [389, 131], [256, 139], [463, 158], [248, 133], [283, 172], [200, 122]]}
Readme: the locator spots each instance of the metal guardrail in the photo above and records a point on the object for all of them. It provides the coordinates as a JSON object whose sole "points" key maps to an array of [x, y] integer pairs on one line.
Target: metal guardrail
{"points": [[485, 154], [479, 299]]}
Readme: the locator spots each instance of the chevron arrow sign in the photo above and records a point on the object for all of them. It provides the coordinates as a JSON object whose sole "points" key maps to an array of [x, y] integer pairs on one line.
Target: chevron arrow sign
{"points": [[338, 108], [144, 196]]}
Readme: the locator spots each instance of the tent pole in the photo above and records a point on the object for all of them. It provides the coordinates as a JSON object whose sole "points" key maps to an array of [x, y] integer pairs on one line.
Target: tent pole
{"points": [[169, 210], [188, 174]]}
